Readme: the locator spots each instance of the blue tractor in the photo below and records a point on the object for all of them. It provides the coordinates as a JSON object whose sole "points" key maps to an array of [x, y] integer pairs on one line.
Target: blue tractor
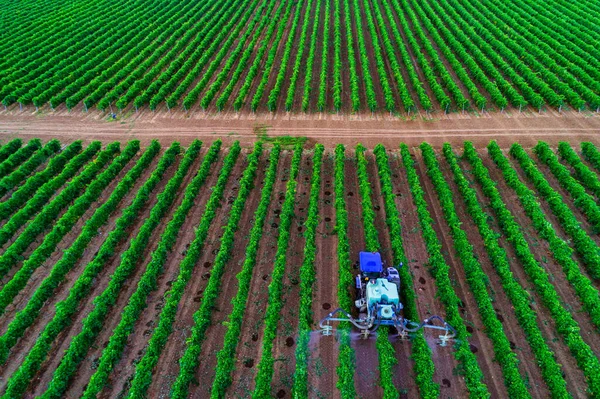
{"points": [[378, 302]]}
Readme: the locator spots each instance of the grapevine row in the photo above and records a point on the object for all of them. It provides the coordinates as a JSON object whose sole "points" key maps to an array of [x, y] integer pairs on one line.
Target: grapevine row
{"points": [[49, 212], [581, 198], [57, 165], [19, 156], [565, 323], [582, 242], [188, 363], [518, 296], [588, 178], [143, 369], [385, 350], [307, 279], [421, 354], [476, 278], [147, 283], [62, 226], [29, 313], [226, 356], [93, 323], [265, 366], [440, 271], [346, 357], [560, 250], [11, 181], [66, 309]]}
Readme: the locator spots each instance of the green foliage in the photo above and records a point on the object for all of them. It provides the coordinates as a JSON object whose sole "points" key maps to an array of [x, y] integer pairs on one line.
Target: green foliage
{"points": [[307, 278], [45, 218], [421, 354], [585, 176], [265, 366], [25, 317], [226, 356], [565, 323], [518, 296], [581, 198], [18, 157], [9, 182], [93, 323], [147, 283], [582, 242], [143, 373], [67, 308], [55, 166], [63, 225], [346, 357], [477, 279], [440, 271], [189, 362]]}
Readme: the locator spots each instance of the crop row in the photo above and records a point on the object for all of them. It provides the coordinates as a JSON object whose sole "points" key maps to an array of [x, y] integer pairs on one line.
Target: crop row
{"points": [[11, 181], [189, 361], [518, 296], [143, 370], [265, 366], [33, 183], [440, 271], [587, 178], [44, 219], [182, 52], [346, 357], [9, 148], [385, 350], [477, 279], [18, 157], [226, 356], [65, 309], [423, 367], [41, 194], [307, 278], [581, 198], [29, 313], [565, 323], [103, 303], [591, 154], [62, 226], [582, 242], [147, 283]]}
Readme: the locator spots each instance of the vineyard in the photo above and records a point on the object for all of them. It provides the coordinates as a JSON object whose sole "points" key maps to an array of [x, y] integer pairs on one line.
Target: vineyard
{"points": [[203, 271], [306, 56]]}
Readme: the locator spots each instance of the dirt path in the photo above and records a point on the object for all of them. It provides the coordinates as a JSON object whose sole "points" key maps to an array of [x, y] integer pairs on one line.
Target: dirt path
{"points": [[329, 129]]}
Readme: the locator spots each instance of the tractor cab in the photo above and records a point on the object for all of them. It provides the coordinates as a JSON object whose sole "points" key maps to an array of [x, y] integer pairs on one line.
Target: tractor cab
{"points": [[371, 265]]}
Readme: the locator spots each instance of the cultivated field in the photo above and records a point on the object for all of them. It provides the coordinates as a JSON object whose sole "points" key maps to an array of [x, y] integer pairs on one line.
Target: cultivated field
{"points": [[397, 56], [202, 271]]}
